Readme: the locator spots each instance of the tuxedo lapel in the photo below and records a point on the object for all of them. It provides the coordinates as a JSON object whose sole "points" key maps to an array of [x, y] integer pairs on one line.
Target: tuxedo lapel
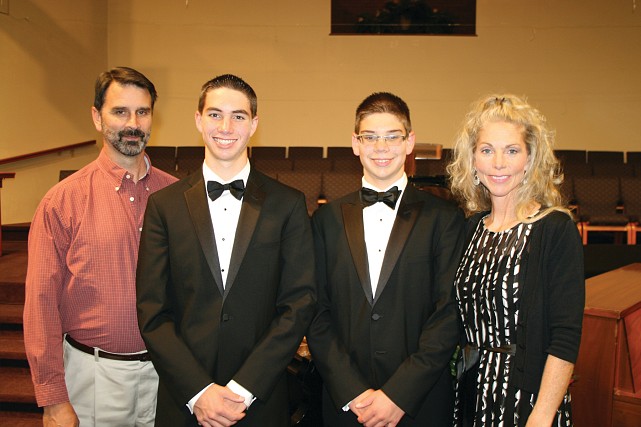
{"points": [[196, 199], [249, 213], [406, 217], [355, 232]]}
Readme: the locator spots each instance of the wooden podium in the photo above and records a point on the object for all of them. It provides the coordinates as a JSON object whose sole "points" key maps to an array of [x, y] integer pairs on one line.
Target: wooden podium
{"points": [[607, 390]]}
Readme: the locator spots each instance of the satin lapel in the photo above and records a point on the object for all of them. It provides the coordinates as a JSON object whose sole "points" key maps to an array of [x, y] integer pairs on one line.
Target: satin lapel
{"points": [[406, 216], [249, 213], [353, 223], [196, 199]]}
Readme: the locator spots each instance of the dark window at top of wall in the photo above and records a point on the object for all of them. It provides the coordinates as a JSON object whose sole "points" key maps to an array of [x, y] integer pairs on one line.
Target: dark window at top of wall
{"points": [[415, 17]]}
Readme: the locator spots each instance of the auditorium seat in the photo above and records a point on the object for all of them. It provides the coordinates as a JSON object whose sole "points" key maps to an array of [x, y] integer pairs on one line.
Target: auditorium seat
{"points": [[307, 182], [631, 195], [337, 184], [576, 169], [272, 166], [347, 165], [612, 169], [312, 165], [571, 156], [567, 190], [189, 159], [163, 158], [297, 152], [633, 157], [598, 199], [268, 152], [605, 157], [339, 152], [65, 173]]}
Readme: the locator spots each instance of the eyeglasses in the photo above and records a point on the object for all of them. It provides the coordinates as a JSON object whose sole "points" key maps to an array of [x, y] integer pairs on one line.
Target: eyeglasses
{"points": [[371, 139]]}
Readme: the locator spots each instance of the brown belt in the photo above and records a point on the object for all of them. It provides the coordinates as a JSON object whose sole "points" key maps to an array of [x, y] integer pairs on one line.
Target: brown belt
{"points": [[506, 348], [142, 357]]}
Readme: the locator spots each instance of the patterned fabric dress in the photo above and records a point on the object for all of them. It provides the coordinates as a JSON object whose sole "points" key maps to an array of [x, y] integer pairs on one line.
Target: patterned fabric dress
{"points": [[488, 287]]}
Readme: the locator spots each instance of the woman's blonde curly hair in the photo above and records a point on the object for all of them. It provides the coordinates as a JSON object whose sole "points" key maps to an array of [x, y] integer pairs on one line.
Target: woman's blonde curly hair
{"points": [[543, 173]]}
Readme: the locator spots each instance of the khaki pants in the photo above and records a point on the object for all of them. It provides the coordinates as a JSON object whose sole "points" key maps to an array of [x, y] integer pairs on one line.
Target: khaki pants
{"points": [[110, 393]]}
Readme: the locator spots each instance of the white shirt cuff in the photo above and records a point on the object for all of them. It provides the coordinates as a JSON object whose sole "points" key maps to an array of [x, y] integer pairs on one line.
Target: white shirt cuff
{"points": [[346, 407], [194, 399], [239, 389]]}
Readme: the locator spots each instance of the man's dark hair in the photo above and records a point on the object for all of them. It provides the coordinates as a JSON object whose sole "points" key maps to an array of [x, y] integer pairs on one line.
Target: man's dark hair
{"points": [[229, 81], [124, 76], [383, 102]]}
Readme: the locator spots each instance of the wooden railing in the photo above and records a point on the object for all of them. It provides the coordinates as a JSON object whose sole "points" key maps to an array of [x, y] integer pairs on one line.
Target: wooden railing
{"points": [[14, 159], [45, 152], [4, 175]]}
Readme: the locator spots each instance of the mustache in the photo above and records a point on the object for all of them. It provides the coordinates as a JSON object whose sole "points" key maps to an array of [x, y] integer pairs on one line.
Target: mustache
{"points": [[131, 132]]}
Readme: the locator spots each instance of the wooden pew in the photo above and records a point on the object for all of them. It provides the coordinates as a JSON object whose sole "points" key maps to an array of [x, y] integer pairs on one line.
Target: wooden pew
{"points": [[607, 390]]}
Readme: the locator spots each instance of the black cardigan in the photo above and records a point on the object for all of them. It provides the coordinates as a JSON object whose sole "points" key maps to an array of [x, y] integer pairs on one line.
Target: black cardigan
{"points": [[552, 300]]}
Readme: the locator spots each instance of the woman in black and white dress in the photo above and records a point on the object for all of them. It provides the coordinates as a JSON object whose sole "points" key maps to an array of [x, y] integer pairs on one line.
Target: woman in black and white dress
{"points": [[520, 286]]}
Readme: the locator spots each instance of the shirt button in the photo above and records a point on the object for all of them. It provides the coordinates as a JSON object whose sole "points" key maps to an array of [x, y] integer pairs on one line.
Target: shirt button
{"points": [[131, 198], [128, 176], [140, 229], [117, 188], [223, 239]]}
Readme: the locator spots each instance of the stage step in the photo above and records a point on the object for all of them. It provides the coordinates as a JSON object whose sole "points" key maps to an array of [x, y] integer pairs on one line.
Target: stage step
{"points": [[17, 398], [13, 272], [11, 293], [11, 313], [12, 345], [16, 386], [20, 419], [15, 232]]}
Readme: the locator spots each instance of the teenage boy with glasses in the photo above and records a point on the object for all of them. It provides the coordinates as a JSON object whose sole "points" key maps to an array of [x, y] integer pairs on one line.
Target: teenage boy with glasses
{"points": [[385, 328]]}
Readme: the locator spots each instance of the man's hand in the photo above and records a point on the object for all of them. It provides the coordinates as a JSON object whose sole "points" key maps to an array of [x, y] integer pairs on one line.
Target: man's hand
{"points": [[378, 410], [219, 407], [358, 399], [60, 415]]}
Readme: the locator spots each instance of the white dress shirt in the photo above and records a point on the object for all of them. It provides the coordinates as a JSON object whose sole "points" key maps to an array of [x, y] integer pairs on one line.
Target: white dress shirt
{"points": [[225, 212], [378, 220]]}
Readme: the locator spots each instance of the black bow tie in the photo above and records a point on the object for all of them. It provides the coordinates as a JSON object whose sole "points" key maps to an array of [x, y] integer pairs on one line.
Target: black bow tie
{"points": [[236, 188], [389, 197]]}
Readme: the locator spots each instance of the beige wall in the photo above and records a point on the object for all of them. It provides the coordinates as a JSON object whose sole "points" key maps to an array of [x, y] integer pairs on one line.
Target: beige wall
{"points": [[50, 54], [576, 60]]}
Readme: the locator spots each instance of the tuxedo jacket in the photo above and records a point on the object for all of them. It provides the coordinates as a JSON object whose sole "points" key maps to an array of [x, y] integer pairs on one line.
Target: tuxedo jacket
{"points": [[198, 332], [402, 338]]}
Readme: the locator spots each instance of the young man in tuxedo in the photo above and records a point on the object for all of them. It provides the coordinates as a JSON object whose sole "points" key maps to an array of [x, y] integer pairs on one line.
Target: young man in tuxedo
{"points": [[385, 327], [225, 277]]}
